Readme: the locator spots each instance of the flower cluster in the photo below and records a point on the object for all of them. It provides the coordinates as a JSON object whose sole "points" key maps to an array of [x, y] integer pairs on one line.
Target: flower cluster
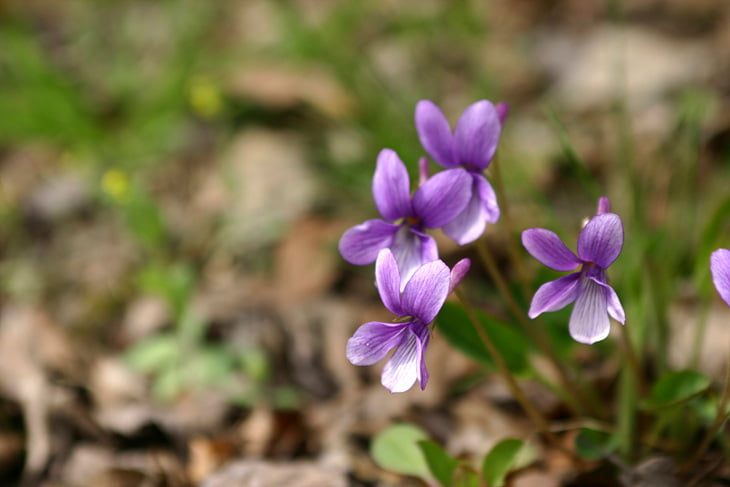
{"points": [[458, 200], [413, 283]]}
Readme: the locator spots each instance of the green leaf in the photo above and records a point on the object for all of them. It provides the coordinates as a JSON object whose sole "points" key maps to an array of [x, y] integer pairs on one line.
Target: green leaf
{"points": [[168, 383], [255, 363], [498, 462], [191, 327], [454, 324], [144, 220], [213, 365], [396, 449], [174, 283], [676, 387], [440, 463], [591, 444], [465, 477], [155, 353]]}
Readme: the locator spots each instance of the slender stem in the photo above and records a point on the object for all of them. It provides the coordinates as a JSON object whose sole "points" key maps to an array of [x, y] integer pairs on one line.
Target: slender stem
{"points": [[508, 227], [717, 425], [540, 422], [627, 416], [699, 337], [633, 360], [537, 336], [562, 394]]}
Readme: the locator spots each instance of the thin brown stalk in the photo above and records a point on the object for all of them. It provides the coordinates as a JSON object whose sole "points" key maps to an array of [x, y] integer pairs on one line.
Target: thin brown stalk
{"points": [[537, 418], [536, 334], [506, 221], [633, 360], [716, 427]]}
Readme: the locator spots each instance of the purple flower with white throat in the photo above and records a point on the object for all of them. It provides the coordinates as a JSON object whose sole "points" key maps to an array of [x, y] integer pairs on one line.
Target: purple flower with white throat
{"points": [[417, 306], [436, 202], [599, 244], [720, 268], [471, 146]]}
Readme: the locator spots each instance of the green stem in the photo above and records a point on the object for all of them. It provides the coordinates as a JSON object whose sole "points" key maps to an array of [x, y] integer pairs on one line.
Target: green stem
{"points": [[537, 418], [562, 394], [627, 413], [717, 425], [536, 334], [699, 336], [633, 360], [512, 247]]}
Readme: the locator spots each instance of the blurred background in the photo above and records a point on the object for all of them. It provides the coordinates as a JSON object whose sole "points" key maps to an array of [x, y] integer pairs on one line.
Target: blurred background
{"points": [[175, 176]]}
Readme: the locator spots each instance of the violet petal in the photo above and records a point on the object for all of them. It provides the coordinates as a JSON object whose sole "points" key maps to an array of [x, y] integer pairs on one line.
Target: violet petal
{"points": [[372, 342], [423, 335], [545, 246], [615, 309], [502, 111], [435, 133], [426, 291], [488, 198], [411, 250], [392, 187], [720, 267], [601, 240], [470, 223], [477, 134], [442, 197], [429, 249], [604, 206], [555, 295], [404, 367], [422, 171], [457, 273], [360, 244], [387, 280], [589, 319]]}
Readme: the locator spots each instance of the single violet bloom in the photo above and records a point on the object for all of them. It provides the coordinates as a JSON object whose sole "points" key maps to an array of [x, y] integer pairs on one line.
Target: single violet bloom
{"points": [[416, 307], [437, 201], [720, 268], [472, 146], [599, 244]]}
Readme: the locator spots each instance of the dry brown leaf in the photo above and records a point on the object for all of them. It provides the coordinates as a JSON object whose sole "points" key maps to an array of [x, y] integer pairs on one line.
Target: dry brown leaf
{"points": [[270, 184], [97, 465], [286, 85], [307, 260], [144, 316], [30, 344], [253, 473], [207, 455]]}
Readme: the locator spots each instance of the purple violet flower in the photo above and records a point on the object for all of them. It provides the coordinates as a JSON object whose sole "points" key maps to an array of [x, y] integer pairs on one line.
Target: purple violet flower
{"points": [[471, 146], [436, 202], [720, 267], [599, 244], [417, 306]]}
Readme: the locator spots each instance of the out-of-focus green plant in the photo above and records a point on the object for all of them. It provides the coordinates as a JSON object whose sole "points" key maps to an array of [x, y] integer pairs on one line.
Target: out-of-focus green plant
{"points": [[405, 448]]}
